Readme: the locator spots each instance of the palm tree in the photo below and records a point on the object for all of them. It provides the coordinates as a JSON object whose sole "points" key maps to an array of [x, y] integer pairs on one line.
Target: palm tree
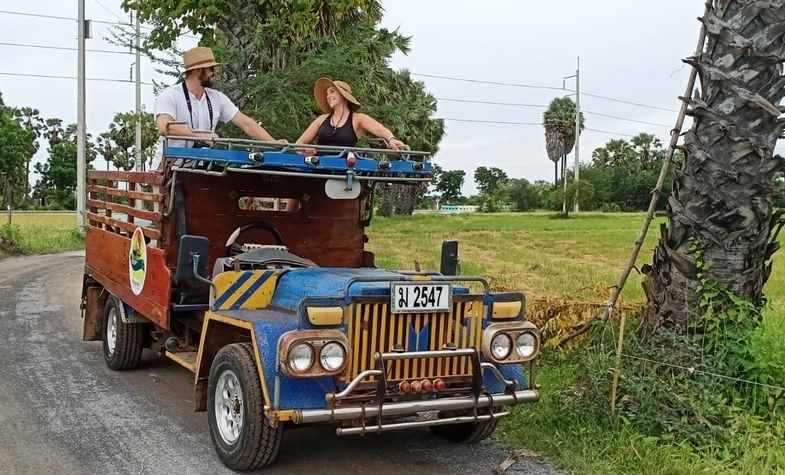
{"points": [[31, 119], [721, 202], [559, 123]]}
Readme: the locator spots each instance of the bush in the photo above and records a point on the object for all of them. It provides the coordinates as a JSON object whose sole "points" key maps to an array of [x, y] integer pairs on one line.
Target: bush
{"points": [[610, 208]]}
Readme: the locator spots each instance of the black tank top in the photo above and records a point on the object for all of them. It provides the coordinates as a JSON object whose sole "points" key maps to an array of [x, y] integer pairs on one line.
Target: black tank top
{"points": [[342, 136]]}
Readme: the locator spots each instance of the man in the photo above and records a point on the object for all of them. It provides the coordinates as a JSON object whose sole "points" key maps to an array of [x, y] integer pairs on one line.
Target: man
{"points": [[198, 107]]}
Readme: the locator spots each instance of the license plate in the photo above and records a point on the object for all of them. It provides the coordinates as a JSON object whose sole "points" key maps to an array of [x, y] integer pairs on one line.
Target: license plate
{"points": [[420, 297]]}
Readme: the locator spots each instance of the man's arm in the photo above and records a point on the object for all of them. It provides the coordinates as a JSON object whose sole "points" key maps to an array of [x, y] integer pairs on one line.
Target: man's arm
{"points": [[167, 126], [251, 128]]}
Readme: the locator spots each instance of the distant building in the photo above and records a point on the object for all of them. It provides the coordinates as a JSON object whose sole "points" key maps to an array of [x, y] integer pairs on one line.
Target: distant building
{"points": [[455, 209]]}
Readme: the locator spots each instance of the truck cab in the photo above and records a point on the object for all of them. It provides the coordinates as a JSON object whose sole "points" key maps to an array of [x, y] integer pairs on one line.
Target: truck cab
{"points": [[245, 263]]}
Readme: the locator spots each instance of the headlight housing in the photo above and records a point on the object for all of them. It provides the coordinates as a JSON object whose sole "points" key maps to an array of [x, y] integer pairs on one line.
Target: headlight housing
{"points": [[332, 356], [526, 344], [312, 353], [513, 342], [300, 357], [501, 346]]}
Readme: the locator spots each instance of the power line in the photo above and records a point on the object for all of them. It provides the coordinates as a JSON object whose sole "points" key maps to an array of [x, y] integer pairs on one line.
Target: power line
{"points": [[600, 114], [504, 122], [63, 48], [550, 88], [515, 104], [471, 101], [495, 83], [624, 101], [608, 132], [106, 9], [55, 76]]}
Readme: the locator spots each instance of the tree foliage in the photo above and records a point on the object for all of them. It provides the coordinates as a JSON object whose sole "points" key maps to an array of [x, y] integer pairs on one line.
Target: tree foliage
{"points": [[448, 184], [16, 142], [489, 180], [273, 51], [56, 186], [118, 145]]}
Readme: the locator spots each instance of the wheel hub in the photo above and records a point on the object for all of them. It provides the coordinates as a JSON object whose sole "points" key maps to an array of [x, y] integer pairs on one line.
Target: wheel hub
{"points": [[229, 407], [111, 331]]}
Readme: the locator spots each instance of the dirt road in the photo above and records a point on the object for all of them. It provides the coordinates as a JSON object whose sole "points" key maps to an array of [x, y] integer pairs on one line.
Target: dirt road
{"points": [[63, 411]]}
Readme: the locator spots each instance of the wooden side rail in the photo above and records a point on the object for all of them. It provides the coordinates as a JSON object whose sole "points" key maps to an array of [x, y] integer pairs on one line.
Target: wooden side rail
{"points": [[122, 201]]}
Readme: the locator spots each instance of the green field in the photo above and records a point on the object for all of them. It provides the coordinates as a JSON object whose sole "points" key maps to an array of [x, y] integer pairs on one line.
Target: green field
{"points": [[36, 232], [574, 260]]}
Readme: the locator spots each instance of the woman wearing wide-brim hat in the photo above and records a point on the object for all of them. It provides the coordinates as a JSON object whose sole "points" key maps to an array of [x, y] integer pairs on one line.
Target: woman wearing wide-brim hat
{"points": [[341, 125]]}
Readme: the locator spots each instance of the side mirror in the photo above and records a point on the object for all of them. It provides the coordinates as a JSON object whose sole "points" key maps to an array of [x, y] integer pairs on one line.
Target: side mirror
{"points": [[449, 258], [192, 257]]}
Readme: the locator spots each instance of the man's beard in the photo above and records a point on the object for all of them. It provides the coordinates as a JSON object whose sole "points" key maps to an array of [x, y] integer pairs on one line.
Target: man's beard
{"points": [[206, 81]]}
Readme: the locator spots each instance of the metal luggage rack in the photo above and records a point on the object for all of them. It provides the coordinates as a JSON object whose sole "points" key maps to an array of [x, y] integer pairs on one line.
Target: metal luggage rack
{"points": [[278, 158]]}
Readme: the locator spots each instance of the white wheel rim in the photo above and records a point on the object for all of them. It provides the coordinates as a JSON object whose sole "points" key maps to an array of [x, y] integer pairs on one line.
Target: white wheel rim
{"points": [[229, 407], [111, 331]]}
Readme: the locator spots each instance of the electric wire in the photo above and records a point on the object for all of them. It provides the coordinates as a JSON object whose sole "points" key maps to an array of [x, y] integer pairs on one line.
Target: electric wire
{"points": [[504, 122], [57, 76], [692, 370], [63, 48]]}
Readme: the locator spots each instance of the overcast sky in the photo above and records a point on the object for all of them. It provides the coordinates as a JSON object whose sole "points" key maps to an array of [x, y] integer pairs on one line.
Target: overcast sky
{"points": [[630, 50]]}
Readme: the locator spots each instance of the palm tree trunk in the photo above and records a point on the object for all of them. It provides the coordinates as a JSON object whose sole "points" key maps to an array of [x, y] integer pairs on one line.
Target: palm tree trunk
{"points": [[555, 173], [721, 202]]}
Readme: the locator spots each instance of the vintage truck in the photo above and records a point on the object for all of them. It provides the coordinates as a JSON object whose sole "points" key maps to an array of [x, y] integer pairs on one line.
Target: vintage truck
{"points": [[245, 263]]}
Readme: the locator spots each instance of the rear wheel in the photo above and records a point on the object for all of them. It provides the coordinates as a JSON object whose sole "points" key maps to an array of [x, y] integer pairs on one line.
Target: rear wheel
{"points": [[123, 342], [469, 433], [243, 437]]}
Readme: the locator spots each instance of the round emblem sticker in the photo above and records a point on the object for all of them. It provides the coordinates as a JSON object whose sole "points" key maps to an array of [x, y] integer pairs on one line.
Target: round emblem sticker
{"points": [[137, 262]]}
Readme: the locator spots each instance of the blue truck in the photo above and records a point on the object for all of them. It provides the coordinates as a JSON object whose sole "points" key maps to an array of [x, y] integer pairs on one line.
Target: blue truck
{"points": [[246, 264]]}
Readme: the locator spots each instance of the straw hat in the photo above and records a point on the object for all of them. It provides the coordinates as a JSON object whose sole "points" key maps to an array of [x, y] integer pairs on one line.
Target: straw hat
{"points": [[320, 93], [199, 57]]}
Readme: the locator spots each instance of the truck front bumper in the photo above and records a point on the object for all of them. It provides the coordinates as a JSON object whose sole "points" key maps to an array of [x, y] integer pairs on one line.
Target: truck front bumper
{"points": [[481, 404]]}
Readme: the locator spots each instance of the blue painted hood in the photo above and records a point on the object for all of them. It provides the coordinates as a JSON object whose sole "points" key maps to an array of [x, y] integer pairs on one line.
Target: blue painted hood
{"points": [[296, 284]]}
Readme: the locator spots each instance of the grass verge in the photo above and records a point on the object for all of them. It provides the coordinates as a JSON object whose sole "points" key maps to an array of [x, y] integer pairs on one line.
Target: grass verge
{"points": [[39, 233]]}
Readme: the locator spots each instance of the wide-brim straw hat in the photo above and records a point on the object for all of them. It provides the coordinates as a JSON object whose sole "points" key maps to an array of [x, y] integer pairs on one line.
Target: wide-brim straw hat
{"points": [[199, 57], [320, 94]]}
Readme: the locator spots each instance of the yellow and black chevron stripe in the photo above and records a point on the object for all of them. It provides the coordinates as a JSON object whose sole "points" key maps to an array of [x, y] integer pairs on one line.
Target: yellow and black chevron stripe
{"points": [[243, 290]]}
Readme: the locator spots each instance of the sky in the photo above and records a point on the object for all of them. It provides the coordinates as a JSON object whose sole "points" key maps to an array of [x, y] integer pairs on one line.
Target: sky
{"points": [[629, 50]]}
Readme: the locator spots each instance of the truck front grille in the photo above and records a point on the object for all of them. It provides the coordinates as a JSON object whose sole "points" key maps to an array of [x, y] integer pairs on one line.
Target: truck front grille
{"points": [[373, 329]]}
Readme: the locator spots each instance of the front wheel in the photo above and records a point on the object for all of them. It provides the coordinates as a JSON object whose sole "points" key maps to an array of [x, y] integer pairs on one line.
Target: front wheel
{"points": [[241, 434], [469, 433]]}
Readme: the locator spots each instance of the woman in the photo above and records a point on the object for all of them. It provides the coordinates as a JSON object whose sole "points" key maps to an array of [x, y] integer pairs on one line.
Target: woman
{"points": [[341, 125]]}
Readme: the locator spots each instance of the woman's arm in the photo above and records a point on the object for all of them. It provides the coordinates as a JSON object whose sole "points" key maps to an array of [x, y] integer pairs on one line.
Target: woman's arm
{"points": [[310, 135], [374, 127]]}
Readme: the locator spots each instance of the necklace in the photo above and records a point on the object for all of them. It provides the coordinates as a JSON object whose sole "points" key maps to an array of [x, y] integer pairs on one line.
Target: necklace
{"points": [[335, 125]]}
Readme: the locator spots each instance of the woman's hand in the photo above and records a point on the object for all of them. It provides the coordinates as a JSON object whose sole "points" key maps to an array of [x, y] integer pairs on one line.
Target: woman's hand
{"points": [[396, 144]]}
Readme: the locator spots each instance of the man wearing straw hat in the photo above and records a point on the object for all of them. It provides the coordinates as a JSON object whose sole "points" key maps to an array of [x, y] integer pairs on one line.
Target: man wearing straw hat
{"points": [[192, 108]]}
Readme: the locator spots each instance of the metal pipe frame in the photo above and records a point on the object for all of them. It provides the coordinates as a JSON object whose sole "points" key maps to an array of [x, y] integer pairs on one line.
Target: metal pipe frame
{"points": [[298, 174], [292, 146], [408, 408], [416, 424]]}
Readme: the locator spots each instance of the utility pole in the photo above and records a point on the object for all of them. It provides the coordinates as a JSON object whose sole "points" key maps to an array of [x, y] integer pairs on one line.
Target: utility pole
{"points": [[577, 133], [81, 126], [139, 162]]}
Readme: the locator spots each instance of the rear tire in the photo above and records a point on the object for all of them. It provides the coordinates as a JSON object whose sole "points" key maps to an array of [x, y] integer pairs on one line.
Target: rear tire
{"points": [[242, 436], [469, 433], [123, 342]]}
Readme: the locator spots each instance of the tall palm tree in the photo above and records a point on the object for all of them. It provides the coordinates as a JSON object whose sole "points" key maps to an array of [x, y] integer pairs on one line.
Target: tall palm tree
{"points": [[721, 202], [559, 123]]}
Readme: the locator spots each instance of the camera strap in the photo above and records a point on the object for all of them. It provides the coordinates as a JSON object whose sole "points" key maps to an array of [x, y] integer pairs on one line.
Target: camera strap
{"points": [[190, 109]]}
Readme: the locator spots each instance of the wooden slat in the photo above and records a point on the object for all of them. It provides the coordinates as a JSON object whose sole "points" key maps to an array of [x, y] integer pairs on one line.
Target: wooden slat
{"points": [[133, 177], [139, 195], [128, 227], [138, 213]]}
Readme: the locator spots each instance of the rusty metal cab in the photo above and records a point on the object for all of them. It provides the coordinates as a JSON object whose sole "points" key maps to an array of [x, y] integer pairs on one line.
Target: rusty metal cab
{"points": [[246, 264]]}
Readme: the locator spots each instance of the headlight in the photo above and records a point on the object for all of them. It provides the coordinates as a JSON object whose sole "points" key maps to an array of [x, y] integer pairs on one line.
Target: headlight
{"points": [[526, 344], [301, 357], [332, 356], [501, 345]]}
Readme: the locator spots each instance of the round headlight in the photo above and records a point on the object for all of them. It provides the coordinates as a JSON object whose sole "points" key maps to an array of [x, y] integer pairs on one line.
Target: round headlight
{"points": [[501, 346], [332, 356], [301, 357], [526, 344]]}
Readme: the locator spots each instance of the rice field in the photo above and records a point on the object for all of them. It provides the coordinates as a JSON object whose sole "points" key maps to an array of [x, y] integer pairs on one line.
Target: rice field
{"points": [[37, 232]]}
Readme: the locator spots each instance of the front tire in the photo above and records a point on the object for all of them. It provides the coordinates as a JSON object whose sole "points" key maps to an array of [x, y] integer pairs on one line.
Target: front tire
{"points": [[242, 436], [123, 342], [469, 433]]}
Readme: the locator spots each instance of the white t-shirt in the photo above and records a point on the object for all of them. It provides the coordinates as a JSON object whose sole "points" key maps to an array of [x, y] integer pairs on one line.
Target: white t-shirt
{"points": [[172, 102]]}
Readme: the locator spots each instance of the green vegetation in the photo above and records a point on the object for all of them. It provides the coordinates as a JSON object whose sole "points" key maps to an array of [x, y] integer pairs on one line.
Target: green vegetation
{"points": [[670, 420], [39, 233]]}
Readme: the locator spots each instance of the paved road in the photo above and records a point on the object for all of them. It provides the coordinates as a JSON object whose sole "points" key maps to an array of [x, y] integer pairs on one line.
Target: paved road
{"points": [[63, 411]]}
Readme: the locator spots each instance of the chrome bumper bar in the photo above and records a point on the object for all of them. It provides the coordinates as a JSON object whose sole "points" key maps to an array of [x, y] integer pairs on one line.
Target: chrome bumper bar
{"points": [[408, 408], [416, 425]]}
